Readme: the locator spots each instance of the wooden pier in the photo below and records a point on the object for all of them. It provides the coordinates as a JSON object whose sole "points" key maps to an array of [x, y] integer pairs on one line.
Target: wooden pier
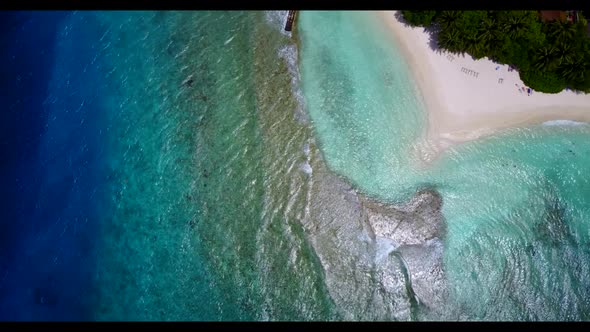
{"points": [[290, 20]]}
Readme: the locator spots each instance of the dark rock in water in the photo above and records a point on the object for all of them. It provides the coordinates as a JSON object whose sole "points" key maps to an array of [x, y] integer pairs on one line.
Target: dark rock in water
{"points": [[43, 297], [192, 223], [188, 82], [553, 228]]}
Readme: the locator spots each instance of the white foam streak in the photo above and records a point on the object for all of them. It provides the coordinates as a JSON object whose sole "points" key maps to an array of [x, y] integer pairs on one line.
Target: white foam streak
{"points": [[306, 168], [278, 19], [564, 123], [229, 40], [289, 54]]}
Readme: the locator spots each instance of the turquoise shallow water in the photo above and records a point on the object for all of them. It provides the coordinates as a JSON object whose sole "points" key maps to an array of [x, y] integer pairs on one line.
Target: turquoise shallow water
{"points": [[518, 228], [516, 205], [361, 99], [209, 183]]}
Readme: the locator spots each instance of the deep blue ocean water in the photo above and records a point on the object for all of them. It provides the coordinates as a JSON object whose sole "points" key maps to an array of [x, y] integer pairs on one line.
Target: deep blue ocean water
{"points": [[52, 150]]}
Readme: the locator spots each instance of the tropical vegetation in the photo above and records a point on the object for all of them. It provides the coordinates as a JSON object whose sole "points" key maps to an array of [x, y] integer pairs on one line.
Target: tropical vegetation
{"points": [[549, 56]]}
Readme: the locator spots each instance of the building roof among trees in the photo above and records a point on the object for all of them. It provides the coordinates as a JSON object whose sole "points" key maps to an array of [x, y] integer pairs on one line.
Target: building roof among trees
{"points": [[552, 15]]}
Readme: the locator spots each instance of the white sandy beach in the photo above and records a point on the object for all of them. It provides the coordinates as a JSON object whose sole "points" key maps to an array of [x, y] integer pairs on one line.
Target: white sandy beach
{"points": [[465, 98]]}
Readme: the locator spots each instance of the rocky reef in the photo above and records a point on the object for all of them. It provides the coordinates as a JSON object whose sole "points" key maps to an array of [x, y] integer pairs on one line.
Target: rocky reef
{"points": [[381, 261]]}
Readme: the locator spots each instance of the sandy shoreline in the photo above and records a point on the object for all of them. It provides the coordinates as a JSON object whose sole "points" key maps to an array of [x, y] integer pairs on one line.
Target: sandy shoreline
{"points": [[467, 99]]}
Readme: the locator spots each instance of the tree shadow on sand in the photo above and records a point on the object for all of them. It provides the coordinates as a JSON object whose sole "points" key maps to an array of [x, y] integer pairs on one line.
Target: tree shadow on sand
{"points": [[433, 30]]}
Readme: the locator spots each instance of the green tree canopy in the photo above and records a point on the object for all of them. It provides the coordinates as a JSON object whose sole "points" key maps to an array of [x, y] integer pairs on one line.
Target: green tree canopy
{"points": [[419, 18]]}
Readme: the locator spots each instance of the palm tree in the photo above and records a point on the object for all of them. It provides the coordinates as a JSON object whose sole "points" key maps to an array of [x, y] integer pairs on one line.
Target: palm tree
{"points": [[514, 26], [545, 58], [567, 71], [448, 18], [474, 47], [562, 31], [574, 69], [487, 34], [563, 52], [451, 40]]}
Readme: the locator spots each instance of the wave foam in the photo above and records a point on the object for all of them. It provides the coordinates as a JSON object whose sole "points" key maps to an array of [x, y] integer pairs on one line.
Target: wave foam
{"points": [[306, 168], [564, 123], [278, 19], [289, 54]]}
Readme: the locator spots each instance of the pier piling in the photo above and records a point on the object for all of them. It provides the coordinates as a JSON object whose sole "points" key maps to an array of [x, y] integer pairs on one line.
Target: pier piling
{"points": [[290, 20]]}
